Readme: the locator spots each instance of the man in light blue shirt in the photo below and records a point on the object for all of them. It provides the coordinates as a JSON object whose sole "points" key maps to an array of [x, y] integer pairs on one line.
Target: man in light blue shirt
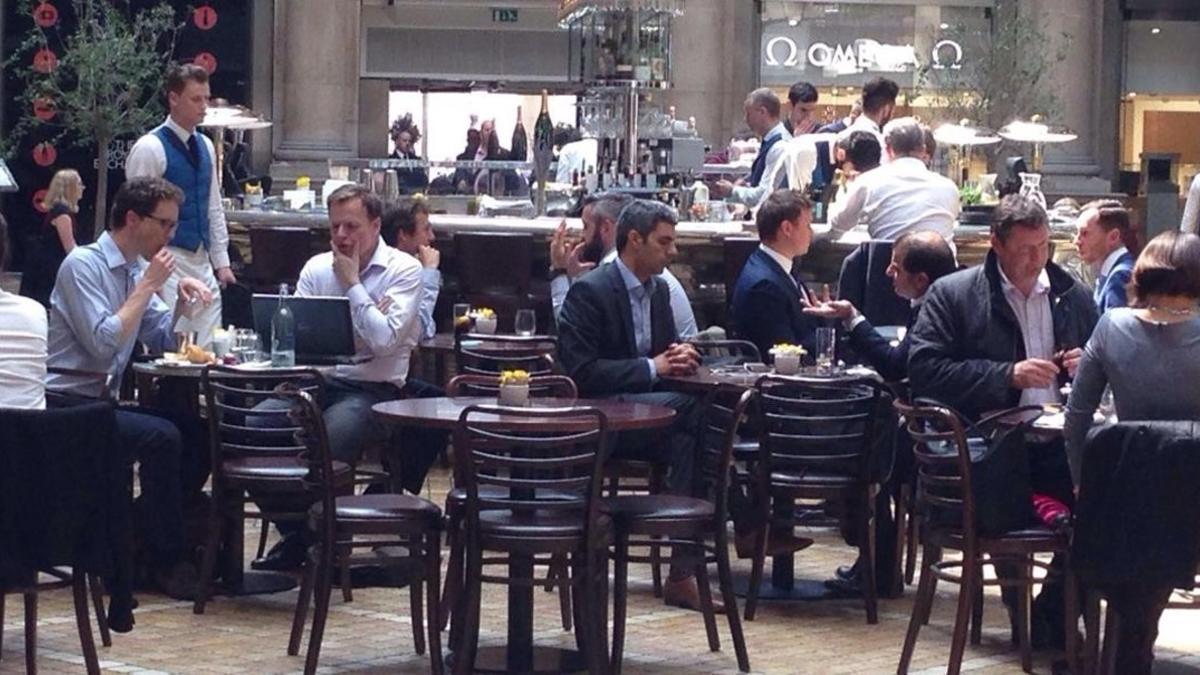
{"points": [[407, 228], [103, 302], [599, 246]]}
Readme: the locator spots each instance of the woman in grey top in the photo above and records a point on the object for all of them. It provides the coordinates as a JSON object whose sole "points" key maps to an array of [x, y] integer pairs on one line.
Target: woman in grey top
{"points": [[1149, 353]]}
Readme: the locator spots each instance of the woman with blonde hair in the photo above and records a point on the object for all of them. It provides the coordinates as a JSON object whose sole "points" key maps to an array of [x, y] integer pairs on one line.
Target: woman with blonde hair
{"points": [[49, 246]]}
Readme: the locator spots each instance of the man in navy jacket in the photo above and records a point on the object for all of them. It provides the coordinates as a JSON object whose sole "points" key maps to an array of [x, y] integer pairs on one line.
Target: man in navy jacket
{"points": [[1101, 232], [768, 302]]}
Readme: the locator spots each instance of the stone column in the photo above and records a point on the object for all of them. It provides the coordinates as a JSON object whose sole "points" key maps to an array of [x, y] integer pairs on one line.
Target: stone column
{"points": [[316, 84], [714, 62], [1085, 93]]}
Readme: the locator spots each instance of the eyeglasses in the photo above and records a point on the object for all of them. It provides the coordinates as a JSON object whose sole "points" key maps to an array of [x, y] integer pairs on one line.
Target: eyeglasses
{"points": [[165, 223]]}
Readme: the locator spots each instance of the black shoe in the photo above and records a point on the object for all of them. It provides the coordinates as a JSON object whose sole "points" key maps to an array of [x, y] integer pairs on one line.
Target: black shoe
{"points": [[285, 556], [847, 572], [180, 581], [844, 588]]}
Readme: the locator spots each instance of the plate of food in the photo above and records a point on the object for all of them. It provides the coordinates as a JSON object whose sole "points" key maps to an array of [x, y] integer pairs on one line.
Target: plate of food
{"points": [[193, 356]]}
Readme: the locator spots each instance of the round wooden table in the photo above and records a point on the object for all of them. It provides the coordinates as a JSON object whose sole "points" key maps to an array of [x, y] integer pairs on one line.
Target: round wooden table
{"points": [[519, 654]]}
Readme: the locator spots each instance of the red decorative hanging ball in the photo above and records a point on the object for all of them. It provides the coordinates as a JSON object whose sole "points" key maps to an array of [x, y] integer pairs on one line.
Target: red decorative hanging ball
{"points": [[37, 200], [205, 17], [44, 154], [43, 109], [45, 14], [206, 61], [45, 60]]}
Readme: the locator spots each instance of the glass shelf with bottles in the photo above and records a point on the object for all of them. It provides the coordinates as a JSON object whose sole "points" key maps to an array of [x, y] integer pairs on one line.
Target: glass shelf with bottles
{"points": [[621, 46]]}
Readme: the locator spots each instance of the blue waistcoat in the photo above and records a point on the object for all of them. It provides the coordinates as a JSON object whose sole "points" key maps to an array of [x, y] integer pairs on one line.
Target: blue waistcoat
{"points": [[760, 162], [193, 175]]}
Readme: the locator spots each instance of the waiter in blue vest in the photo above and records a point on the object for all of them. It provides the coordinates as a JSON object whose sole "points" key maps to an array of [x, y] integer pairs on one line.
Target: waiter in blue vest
{"points": [[762, 116], [174, 150]]}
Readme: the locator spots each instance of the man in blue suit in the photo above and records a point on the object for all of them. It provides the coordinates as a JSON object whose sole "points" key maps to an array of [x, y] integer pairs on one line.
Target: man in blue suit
{"points": [[1102, 229], [768, 302]]}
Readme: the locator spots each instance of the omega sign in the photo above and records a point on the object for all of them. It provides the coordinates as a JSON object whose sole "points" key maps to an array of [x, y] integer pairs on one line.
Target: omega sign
{"points": [[862, 55]]}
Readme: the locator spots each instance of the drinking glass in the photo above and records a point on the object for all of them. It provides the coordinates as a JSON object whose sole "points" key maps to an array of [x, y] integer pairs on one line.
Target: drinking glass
{"points": [[826, 344], [526, 322], [462, 322]]}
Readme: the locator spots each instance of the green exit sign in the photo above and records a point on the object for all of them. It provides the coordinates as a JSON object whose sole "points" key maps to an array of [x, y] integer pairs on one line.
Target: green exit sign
{"points": [[504, 15]]}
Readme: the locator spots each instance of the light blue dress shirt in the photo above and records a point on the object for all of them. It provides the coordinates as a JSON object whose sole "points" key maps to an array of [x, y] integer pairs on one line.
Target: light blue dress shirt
{"points": [[431, 285], [639, 304], [85, 332]]}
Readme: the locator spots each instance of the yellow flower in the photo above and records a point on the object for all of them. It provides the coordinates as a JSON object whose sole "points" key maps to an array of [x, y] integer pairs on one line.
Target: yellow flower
{"points": [[785, 348], [514, 377], [482, 313]]}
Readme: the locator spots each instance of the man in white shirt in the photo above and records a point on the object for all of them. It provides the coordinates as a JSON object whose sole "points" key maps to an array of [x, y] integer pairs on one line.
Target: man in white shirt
{"points": [[900, 196], [177, 152], [762, 108], [384, 289], [23, 331], [599, 246], [878, 104]]}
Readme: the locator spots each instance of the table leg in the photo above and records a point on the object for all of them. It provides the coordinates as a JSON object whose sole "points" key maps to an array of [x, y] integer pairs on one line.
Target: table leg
{"points": [[784, 585], [235, 579]]}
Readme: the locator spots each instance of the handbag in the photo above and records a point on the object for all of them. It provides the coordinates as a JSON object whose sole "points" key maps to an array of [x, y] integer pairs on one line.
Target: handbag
{"points": [[1000, 477]]}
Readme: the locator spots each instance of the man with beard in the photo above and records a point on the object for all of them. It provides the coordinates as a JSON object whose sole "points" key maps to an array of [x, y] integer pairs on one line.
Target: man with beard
{"points": [[599, 245]]}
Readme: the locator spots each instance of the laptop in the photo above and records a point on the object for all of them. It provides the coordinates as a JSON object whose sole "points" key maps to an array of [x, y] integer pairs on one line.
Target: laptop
{"points": [[324, 334]]}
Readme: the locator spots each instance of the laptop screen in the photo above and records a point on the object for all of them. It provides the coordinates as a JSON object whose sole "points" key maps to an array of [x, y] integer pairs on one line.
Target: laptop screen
{"points": [[323, 327]]}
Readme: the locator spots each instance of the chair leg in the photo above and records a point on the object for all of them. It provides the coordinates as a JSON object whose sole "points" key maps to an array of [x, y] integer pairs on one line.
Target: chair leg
{"points": [[706, 607], [966, 597], [83, 622], [300, 616], [920, 611], [454, 573], [216, 524], [1024, 606], [433, 569], [464, 655], [31, 610], [898, 504], [415, 611], [620, 598], [324, 578], [562, 573], [867, 554], [596, 594], [1091, 624], [263, 532], [756, 570], [725, 578], [977, 613], [344, 570], [1072, 619], [656, 583], [97, 588], [1, 625], [913, 538], [932, 554], [1112, 632]]}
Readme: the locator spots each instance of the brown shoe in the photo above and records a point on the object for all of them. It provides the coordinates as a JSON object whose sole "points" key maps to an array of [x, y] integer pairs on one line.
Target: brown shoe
{"points": [[685, 594], [778, 543]]}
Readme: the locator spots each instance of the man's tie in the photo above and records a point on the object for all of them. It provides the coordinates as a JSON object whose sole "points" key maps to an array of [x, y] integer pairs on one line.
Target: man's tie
{"points": [[194, 149]]}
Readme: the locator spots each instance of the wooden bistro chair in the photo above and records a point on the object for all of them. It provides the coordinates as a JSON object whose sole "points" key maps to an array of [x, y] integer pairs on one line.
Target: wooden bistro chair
{"points": [[540, 386], [255, 456], [817, 442], [36, 445], [946, 503], [533, 492], [697, 522], [388, 521], [479, 354]]}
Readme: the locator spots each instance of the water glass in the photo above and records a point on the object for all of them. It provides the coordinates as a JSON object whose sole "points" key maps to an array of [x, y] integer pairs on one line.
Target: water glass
{"points": [[461, 319], [526, 322], [826, 346]]}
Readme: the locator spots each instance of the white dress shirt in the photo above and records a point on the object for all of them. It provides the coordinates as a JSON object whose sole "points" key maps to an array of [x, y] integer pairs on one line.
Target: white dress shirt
{"points": [[1111, 261], [148, 158], [904, 196], [681, 307], [23, 337], [576, 156], [1037, 329], [771, 176], [388, 338]]}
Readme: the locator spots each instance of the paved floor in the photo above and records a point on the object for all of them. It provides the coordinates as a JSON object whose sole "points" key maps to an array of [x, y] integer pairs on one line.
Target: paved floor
{"points": [[373, 634]]}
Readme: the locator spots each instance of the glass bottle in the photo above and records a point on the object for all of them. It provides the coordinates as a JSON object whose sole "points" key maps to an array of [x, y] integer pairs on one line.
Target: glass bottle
{"points": [[1031, 188], [283, 333]]}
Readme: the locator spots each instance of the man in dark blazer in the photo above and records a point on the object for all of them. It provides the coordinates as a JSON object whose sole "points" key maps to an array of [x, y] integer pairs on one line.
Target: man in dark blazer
{"points": [[1101, 232], [768, 302], [617, 338], [918, 260]]}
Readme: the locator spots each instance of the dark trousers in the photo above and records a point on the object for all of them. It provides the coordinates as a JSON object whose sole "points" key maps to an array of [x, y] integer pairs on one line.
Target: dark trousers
{"points": [[170, 471], [1049, 474], [415, 449], [679, 449], [1139, 607]]}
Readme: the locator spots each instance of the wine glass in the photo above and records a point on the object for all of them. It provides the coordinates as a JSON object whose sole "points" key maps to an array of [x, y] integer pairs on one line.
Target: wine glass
{"points": [[525, 322]]}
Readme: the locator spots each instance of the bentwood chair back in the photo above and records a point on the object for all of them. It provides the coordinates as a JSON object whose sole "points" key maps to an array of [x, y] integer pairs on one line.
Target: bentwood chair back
{"points": [[946, 504], [817, 440], [532, 480], [540, 386], [255, 454], [476, 354], [340, 522]]}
